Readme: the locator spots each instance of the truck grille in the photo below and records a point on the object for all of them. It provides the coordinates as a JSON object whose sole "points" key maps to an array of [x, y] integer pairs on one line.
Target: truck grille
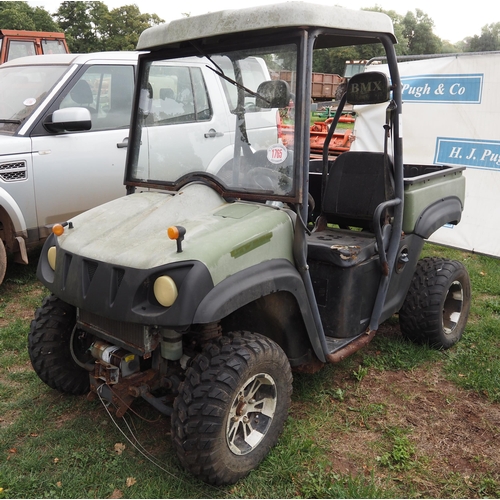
{"points": [[13, 171], [134, 337]]}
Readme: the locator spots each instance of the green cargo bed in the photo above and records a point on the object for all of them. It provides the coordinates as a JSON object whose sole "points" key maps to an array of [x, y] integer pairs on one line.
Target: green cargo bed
{"points": [[427, 186]]}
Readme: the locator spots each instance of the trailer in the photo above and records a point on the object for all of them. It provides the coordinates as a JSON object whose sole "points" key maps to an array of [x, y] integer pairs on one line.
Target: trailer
{"points": [[325, 86]]}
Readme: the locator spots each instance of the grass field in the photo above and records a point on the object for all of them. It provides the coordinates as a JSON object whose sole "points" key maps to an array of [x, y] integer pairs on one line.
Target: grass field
{"points": [[393, 421]]}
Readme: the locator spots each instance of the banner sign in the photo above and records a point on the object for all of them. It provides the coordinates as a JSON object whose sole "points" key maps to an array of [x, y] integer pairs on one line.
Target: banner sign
{"points": [[472, 153], [451, 89]]}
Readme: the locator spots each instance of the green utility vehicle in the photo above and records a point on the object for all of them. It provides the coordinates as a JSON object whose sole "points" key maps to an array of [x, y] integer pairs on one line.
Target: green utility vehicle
{"points": [[203, 288]]}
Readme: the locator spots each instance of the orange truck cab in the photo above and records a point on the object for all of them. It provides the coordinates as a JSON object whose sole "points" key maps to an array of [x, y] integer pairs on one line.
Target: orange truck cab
{"points": [[18, 43]]}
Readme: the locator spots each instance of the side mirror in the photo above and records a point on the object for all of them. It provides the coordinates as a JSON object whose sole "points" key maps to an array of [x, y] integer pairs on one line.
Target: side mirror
{"points": [[273, 94], [69, 119], [371, 87]]}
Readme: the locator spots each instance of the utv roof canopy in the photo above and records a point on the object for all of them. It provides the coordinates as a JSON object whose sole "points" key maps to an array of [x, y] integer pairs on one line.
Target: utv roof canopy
{"points": [[267, 18]]}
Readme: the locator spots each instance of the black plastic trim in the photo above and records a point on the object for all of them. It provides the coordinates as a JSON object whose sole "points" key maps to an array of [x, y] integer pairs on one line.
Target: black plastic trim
{"points": [[122, 293], [253, 283], [444, 211]]}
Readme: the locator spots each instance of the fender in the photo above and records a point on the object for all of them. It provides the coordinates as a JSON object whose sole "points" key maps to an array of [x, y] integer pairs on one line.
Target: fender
{"points": [[444, 211], [14, 212], [253, 283], [15, 232]]}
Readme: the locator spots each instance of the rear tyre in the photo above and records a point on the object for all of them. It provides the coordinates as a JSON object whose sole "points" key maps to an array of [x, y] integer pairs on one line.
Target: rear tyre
{"points": [[232, 407], [49, 347], [437, 305]]}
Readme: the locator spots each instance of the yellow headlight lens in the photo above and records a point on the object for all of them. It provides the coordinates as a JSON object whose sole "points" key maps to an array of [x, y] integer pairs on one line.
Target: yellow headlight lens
{"points": [[165, 291], [51, 257]]}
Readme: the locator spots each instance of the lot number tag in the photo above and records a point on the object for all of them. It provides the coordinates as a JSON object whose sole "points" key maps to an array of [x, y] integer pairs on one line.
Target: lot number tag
{"points": [[277, 153]]}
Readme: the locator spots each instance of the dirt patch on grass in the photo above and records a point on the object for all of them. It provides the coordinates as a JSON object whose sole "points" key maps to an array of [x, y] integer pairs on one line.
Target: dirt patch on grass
{"points": [[448, 425], [450, 436]]}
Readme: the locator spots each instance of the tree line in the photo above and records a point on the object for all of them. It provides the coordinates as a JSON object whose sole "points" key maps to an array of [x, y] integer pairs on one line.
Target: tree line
{"points": [[91, 27], [88, 26], [415, 35]]}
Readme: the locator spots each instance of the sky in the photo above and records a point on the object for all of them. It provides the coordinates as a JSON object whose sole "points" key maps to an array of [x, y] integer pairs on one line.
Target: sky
{"points": [[453, 20]]}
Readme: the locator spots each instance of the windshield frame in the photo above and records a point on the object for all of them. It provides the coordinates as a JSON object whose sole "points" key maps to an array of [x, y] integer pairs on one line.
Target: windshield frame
{"points": [[297, 37]]}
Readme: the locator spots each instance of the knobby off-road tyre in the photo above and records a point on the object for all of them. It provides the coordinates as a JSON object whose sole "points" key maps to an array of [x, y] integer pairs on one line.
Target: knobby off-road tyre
{"points": [[49, 347], [232, 407], [437, 305]]}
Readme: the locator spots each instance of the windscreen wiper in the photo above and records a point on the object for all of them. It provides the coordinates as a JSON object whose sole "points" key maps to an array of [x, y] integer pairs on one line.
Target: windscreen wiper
{"points": [[220, 73], [16, 122]]}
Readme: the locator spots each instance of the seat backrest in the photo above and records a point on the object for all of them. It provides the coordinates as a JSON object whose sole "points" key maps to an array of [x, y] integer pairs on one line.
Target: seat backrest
{"points": [[354, 189], [82, 93]]}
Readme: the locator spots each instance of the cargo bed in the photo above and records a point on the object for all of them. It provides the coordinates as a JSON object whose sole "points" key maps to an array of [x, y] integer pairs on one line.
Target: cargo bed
{"points": [[427, 186]]}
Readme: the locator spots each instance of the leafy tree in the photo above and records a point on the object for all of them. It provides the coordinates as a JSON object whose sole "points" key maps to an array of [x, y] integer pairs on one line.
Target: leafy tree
{"points": [[91, 27], [125, 25], [488, 40], [414, 33], [397, 22], [417, 31], [81, 22], [21, 16], [334, 60]]}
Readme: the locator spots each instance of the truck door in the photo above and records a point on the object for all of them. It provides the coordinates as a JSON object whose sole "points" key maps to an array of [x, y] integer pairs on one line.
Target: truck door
{"points": [[75, 171]]}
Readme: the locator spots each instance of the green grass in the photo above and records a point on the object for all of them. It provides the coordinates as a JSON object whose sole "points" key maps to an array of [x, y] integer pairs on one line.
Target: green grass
{"points": [[475, 362], [340, 441]]}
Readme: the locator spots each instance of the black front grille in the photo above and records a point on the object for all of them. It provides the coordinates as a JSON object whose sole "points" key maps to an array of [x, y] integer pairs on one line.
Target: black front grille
{"points": [[91, 268], [134, 337]]}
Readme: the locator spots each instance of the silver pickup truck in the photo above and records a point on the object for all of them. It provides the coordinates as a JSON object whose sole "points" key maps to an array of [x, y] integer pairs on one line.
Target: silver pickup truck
{"points": [[64, 123]]}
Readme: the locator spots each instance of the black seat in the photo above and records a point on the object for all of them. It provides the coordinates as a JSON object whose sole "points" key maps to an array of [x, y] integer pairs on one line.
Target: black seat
{"points": [[81, 93], [354, 189]]}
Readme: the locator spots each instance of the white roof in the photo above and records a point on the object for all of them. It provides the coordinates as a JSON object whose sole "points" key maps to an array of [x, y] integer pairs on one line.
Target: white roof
{"points": [[67, 59], [281, 15]]}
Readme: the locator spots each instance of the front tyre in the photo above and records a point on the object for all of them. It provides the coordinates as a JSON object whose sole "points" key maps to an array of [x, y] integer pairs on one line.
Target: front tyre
{"points": [[232, 407], [437, 305], [50, 343]]}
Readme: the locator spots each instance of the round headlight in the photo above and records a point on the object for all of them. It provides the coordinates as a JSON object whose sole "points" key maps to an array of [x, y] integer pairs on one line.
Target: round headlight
{"points": [[165, 290], [51, 257]]}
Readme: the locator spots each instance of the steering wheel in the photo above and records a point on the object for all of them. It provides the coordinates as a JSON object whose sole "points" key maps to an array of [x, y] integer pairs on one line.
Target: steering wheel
{"points": [[268, 180]]}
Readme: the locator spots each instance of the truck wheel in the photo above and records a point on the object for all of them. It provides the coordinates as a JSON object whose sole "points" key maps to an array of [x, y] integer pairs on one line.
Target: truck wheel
{"points": [[3, 261], [49, 347], [437, 305], [232, 407]]}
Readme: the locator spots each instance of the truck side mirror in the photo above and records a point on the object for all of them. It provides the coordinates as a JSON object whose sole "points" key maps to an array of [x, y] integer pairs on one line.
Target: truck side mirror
{"points": [[69, 119], [371, 87], [273, 94]]}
